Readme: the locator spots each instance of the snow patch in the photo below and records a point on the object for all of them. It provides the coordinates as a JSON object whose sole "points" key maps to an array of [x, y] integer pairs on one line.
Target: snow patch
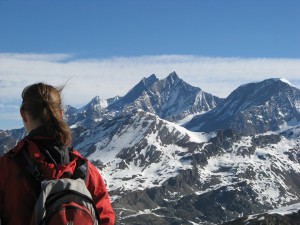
{"points": [[285, 81]]}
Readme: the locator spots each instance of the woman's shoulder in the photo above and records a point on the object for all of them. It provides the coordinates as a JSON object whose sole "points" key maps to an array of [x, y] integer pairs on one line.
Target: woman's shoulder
{"points": [[6, 158], [6, 163]]}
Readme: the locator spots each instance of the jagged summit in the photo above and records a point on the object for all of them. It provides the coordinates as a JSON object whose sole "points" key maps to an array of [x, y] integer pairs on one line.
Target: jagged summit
{"points": [[97, 102], [135, 92], [149, 81], [170, 98], [172, 77]]}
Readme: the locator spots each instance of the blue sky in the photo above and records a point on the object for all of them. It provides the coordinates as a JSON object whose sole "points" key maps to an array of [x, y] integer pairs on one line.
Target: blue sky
{"points": [[96, 28], [106, 47]]}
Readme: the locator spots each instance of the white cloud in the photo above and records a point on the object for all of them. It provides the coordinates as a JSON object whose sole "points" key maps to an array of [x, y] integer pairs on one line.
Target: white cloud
{"points": [[115, 76], [35, 57]]}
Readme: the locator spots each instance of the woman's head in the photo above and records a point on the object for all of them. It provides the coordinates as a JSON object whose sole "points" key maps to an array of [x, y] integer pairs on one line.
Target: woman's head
{"points": [[41, 105]]}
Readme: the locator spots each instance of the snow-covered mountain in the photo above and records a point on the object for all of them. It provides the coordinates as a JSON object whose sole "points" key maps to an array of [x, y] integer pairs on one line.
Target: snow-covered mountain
{"points": [[158, 171], [161, 173], [253, 108]]}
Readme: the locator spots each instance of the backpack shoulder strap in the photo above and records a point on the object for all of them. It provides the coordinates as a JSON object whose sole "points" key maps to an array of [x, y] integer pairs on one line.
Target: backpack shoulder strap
{"points": [[29, 170]]}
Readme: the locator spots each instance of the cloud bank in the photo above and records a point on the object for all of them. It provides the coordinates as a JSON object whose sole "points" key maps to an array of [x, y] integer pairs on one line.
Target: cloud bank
{"points": [[108, 77]]}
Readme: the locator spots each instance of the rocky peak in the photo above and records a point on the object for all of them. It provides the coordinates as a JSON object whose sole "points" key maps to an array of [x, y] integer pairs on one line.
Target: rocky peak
{"points": [[96, 104], [149, 81], [172, 77], [135, 92]]}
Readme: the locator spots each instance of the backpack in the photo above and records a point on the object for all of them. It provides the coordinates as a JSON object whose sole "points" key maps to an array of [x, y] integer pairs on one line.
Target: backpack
{"points": [[65, 201]]}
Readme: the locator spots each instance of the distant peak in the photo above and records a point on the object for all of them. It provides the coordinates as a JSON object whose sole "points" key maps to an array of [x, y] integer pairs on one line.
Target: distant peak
{"points": [[276, 80], [152, 77], [173, 77], [149, 80], [270, 81], [96, 99]]}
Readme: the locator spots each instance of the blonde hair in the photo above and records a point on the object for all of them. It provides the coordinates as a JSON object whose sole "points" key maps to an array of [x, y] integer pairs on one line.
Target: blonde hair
{"points": [[43, 102]]}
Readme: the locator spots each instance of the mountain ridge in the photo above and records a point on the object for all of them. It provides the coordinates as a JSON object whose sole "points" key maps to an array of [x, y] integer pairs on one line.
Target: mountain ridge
{"points": [[253, 108]]}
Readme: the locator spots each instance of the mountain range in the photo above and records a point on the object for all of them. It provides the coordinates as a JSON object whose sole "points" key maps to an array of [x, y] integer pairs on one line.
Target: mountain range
{"points": [[236, 157]]}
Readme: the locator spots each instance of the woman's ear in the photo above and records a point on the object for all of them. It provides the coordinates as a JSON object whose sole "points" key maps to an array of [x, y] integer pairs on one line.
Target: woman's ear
{"points": [[23, 115]]}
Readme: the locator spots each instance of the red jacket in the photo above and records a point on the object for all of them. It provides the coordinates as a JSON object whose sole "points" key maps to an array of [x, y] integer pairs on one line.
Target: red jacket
{"points": [[17, 199]]}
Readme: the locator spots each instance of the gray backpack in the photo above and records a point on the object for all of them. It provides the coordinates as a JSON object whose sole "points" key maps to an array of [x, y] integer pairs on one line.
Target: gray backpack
{"points": [[65, 201]]}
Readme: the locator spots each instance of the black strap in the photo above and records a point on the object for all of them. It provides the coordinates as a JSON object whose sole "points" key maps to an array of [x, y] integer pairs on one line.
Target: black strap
{"points": [[80, 170], [28, 172]]}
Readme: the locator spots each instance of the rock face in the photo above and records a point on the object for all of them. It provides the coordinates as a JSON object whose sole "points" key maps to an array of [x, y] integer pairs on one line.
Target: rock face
{"points": [[253, 108], [158, 172]]}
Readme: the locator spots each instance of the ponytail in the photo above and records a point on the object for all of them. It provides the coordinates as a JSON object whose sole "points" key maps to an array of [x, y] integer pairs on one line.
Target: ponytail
{"points": [[43, 103]]}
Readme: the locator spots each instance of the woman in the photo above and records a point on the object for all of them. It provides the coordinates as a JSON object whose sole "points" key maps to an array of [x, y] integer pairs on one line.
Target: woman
{"points": [[47, 145]]}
